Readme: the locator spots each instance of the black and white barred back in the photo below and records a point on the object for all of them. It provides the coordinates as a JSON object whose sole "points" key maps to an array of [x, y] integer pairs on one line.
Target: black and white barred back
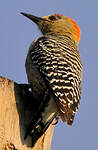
{"points": [[59, 61]]}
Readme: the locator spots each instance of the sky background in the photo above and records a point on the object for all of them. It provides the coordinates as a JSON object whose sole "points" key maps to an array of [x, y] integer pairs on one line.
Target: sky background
{"points": [[17, 33]]}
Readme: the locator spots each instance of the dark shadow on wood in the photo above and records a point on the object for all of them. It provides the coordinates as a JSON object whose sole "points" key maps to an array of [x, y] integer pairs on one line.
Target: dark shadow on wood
{"points": [[26, 107]]}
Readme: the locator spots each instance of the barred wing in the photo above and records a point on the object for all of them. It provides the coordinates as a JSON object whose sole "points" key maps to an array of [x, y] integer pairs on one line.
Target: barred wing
{"points": [[59, 61]]}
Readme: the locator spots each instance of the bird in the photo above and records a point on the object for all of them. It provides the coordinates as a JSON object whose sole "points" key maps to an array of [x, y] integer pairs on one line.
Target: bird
{"points": [[54, 71]]}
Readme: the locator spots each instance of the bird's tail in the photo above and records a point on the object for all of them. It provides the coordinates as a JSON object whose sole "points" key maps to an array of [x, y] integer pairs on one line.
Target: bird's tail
{"points": [[38, 129]]}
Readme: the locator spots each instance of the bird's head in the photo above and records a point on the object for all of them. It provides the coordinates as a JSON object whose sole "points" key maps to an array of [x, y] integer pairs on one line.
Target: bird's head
{"points": [[57, 24]]}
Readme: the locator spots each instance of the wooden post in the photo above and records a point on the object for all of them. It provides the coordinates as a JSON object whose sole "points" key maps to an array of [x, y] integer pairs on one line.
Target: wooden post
{"points": [[15, 113]]}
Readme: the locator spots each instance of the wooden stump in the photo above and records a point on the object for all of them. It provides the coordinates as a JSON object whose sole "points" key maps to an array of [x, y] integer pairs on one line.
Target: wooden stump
{"points": [[15, 113]]}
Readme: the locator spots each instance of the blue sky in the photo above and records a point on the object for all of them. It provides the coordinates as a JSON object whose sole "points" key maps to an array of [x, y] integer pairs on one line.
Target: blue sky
{"points": [[16, 34]]}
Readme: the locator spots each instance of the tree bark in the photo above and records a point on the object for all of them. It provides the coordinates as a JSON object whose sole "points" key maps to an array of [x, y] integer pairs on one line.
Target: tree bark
{"points": [[15, 114]]}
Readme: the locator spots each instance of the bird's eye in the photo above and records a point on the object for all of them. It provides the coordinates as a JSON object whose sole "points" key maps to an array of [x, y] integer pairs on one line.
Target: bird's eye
{"points": [[54, 17]]}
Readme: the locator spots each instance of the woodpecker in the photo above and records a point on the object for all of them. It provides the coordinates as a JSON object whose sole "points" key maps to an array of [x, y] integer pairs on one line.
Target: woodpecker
{"points": [[54, 71]]}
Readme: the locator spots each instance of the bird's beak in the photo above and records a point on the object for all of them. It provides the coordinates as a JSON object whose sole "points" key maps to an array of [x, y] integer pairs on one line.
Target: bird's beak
{"points": [[33, 18]]}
